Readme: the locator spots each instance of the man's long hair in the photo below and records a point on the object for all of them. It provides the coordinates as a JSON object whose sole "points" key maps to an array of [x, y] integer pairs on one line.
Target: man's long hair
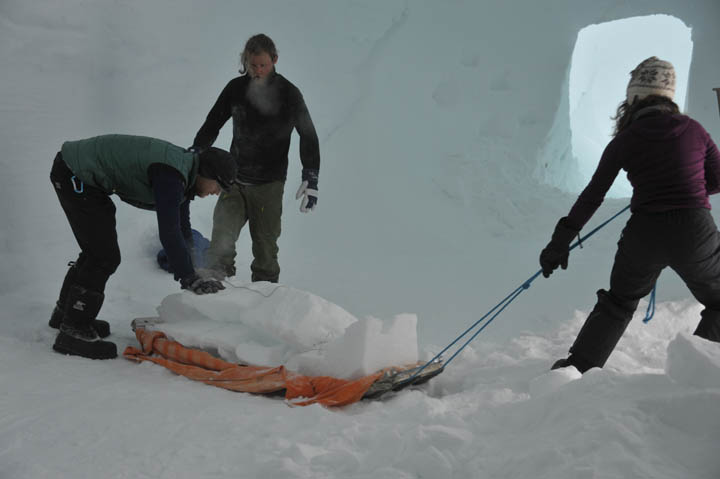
{"points": [[625, 113], [256, 45]]}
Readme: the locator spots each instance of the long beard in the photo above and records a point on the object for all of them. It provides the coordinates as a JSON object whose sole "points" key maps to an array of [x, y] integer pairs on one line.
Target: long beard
{"points": [[263, 96]]}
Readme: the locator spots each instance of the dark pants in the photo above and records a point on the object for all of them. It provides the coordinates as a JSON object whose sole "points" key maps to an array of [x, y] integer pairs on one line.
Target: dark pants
{"points": [[91, 214], [685, 240]]}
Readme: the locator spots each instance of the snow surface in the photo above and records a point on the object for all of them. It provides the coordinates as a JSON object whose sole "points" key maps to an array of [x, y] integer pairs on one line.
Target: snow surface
{"points": [[437, 125]]}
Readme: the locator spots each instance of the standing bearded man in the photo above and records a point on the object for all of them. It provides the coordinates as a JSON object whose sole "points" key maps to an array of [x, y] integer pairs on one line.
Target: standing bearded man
{"points": [[265, 108]]}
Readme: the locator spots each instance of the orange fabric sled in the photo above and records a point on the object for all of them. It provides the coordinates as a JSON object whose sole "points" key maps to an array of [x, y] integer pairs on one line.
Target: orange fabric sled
{"points": [[200, 366]]}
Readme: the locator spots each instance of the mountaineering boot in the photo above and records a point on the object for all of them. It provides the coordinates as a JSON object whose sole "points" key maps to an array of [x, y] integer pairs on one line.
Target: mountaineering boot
{"points": [[709, 326], [579, 363], [56, 319], [225, 270], [601, 332], [217, 271], [77, 335], [101, 327]]}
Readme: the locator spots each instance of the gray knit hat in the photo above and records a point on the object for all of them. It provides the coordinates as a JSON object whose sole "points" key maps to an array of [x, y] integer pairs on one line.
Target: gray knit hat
{"points": [[652, 77]]}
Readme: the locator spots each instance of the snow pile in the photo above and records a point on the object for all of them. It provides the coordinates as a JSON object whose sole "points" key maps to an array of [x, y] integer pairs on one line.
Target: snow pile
{"points": [[272, 324], [694, 361]]}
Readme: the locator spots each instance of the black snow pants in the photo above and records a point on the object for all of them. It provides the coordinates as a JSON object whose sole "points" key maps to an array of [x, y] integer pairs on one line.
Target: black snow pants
{"points": [[685, 240], [91, 214]]}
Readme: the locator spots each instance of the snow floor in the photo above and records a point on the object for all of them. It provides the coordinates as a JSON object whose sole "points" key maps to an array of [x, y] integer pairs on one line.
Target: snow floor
{"points": [[497, 411]]}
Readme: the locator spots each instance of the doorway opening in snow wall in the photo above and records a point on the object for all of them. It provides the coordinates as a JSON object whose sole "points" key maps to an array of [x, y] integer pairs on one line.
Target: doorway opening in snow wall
{"points": [[603, 57]]}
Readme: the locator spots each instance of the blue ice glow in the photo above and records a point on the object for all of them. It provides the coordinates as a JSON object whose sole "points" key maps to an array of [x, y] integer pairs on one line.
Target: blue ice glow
{"points": [[603, 57]]}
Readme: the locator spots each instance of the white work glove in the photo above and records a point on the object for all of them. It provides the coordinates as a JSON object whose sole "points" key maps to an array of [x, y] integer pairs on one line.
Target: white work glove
{"points": [[308, 190]]}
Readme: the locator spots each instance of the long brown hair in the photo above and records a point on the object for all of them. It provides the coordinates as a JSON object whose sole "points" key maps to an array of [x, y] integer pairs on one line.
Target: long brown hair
{"points": [[256, 45], [625, 112]]}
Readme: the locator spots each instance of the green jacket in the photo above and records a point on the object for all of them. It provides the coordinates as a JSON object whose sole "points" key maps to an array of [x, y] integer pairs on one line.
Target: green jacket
{"points": [[119, 164]]}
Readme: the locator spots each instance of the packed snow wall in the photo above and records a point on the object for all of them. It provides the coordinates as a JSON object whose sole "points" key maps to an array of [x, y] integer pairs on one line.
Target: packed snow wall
{"points": [[432, 118]]}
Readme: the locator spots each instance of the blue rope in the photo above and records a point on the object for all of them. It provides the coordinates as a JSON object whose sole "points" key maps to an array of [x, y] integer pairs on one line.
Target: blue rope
{"points": [[650, 312], [504, 304]]}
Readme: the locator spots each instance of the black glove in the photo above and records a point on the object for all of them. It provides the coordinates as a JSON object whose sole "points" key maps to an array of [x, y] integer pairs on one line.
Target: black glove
{"points": [[199, 285], [308, 190], [558, 249]]}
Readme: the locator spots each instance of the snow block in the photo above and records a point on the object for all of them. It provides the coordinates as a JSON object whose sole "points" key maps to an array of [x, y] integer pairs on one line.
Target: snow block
{"points": [[265, 323], [693, 361], [367, 346], [253, 323]]}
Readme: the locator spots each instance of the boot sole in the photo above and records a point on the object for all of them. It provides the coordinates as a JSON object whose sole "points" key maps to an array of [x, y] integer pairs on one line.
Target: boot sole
{"points": [[65, 344]]}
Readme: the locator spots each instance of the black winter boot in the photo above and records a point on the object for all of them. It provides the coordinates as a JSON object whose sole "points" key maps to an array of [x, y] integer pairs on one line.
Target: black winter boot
{"points": [[709, 326], [56, 319], [572, 360], [600, 334], [77, 335]]}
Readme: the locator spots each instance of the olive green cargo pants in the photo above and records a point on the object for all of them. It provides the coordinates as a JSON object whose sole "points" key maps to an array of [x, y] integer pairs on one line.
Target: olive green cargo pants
{"points": [[261, 207]]}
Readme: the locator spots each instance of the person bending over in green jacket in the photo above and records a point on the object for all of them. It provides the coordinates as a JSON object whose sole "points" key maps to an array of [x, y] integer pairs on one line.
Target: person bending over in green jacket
{"points": [[147, 173]]}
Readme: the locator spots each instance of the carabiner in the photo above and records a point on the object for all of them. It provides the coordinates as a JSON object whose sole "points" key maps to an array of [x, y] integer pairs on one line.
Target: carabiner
{"points": [[78, 189]]}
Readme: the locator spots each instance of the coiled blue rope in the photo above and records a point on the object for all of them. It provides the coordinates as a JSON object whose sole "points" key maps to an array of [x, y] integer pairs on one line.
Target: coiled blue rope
{"points": [[500, 307]]}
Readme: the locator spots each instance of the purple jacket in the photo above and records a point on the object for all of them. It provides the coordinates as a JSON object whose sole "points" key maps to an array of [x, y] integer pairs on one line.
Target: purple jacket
{"points": [[671, 162]]}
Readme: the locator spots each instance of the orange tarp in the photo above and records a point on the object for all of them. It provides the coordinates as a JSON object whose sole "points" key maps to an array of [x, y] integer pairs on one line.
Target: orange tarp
{"points": [[200, 366]]}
